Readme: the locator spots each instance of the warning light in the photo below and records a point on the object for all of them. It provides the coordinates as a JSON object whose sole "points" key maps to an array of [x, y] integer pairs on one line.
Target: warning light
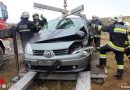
{"points": [[2, 81]]}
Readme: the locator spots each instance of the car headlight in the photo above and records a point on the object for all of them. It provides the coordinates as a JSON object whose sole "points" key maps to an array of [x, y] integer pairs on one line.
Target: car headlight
{"points": [[77, 51], [85, 53], [28, 49]]}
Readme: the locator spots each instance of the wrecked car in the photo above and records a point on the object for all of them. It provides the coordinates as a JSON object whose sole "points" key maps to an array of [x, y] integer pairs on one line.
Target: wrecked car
{"points": [[61, 46]]}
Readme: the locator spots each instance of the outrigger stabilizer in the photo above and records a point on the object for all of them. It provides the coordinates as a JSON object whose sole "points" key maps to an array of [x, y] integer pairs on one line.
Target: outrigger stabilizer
{"points": [[11, 33]]}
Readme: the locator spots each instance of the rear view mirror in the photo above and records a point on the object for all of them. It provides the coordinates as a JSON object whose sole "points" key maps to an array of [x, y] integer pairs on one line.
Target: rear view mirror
{"points": [[5, 14], [4, 7], [3, 11]]}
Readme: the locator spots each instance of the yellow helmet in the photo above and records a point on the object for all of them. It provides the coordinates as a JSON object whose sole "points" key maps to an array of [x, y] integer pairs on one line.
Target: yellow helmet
{"points": [[94, 17], [120, 18], [117, 18], [25, 14]]}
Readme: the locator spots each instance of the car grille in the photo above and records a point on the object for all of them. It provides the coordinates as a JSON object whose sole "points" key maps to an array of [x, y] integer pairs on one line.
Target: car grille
{"points": [[56, 52], [61, 52], [38, 52]]}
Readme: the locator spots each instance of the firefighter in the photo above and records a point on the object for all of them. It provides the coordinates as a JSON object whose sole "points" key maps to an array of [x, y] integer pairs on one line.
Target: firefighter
{"points": [[118, 37], [96, 33], [24, 28], [127, 50], [38, 24]]}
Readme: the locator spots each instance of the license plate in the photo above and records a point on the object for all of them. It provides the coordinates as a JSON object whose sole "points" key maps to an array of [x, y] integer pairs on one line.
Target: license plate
{"points": [[46, 63]]}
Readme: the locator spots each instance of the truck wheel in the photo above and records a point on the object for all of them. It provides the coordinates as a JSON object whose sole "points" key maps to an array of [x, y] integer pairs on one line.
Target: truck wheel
{"points": [[1, 57]]}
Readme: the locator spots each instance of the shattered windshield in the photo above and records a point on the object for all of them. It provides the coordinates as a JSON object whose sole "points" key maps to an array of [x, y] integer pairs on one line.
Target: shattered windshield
{"points": [[66, 23]]}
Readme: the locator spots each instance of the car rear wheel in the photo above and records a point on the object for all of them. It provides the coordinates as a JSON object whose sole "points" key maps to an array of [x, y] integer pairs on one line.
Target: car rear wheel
{"points": [[1, 57]]}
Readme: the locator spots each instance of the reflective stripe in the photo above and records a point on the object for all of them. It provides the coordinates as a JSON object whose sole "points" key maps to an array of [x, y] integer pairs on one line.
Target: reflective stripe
{"points": [[98, 47], [99, 27], [121, 30], [103, 55], [128, 55], [120, 66], [97, 35], [126, 42], [25, 30], [115, 47]]}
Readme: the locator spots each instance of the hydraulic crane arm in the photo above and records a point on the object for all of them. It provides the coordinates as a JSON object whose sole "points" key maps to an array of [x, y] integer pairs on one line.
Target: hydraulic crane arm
{"points": [[41, 6], [76, 11]]}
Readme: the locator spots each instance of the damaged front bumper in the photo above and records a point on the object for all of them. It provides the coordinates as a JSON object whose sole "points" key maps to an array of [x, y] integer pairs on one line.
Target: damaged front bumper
{"points": [[68, 63]]}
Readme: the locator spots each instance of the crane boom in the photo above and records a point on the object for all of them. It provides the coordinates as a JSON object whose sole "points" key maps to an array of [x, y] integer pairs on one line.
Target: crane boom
{"points": [[75, 11], [41, 6]]}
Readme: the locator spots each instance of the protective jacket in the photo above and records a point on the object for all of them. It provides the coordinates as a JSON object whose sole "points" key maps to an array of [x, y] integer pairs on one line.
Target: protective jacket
{"points": [[38, 24], [25, 30], [118, 36], [96, 32]]}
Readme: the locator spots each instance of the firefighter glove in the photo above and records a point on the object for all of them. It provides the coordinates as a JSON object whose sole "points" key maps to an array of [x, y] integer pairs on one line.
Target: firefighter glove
{"points": [[42, 17], [99, 27]]}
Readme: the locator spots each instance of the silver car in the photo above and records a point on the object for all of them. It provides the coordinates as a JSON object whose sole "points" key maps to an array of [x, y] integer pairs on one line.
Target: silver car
{"points": [[61, 46]]}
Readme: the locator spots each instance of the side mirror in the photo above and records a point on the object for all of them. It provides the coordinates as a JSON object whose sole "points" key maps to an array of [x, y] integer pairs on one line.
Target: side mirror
{"points": [[5, 14], [4, 7]]}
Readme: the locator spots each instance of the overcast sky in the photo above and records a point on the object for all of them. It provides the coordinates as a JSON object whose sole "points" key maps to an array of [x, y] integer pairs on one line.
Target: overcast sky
{"points": [[101, 8]]}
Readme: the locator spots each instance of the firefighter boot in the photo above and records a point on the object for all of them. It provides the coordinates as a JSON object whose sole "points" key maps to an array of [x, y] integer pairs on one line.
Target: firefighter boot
{"points": [[119, 74], [102, 64]]}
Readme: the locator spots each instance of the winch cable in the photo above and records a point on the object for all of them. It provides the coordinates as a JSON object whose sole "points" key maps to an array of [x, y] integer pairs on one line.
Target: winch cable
{"points": [[65, 4]]}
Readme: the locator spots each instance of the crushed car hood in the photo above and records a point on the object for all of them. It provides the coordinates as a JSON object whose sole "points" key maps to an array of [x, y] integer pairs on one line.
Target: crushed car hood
{"points": [[44, 36], [52, 46]]}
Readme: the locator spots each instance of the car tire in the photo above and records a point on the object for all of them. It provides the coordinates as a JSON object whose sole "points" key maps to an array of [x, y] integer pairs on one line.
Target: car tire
{"points": [[1, 56]]}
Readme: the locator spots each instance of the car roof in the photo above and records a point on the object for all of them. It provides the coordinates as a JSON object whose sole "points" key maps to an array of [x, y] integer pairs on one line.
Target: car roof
{"points": [[71, 17]]}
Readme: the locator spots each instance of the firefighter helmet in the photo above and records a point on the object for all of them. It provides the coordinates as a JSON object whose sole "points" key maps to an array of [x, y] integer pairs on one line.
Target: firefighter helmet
{"points": [[94, 17], [25, 14], [117, 18], [35, 14]]}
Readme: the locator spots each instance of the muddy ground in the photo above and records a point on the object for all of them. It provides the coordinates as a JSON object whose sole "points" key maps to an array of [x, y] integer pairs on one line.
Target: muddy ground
{"points": [[8, 71]]}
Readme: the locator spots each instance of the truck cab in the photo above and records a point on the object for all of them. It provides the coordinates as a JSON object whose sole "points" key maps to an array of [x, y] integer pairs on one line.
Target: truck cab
{"points": [[4, 43]]}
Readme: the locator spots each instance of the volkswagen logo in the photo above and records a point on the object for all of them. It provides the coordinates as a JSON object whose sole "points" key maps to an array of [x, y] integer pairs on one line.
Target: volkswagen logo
{"points": [[47, 54]]}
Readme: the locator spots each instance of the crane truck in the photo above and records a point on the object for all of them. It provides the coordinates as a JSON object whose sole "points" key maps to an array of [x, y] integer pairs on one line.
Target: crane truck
{"points": [[3, 26]]}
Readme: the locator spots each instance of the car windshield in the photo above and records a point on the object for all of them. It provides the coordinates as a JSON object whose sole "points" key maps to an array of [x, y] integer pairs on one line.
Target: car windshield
{"points": [[66, 23]]}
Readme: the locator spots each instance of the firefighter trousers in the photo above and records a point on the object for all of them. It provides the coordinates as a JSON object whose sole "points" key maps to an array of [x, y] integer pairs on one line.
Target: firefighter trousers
{"points": [[97, 42], [119, 56]]}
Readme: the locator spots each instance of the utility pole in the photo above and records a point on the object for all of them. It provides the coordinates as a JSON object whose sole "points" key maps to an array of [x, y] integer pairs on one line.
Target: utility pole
{"points": [[65, 4]]}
